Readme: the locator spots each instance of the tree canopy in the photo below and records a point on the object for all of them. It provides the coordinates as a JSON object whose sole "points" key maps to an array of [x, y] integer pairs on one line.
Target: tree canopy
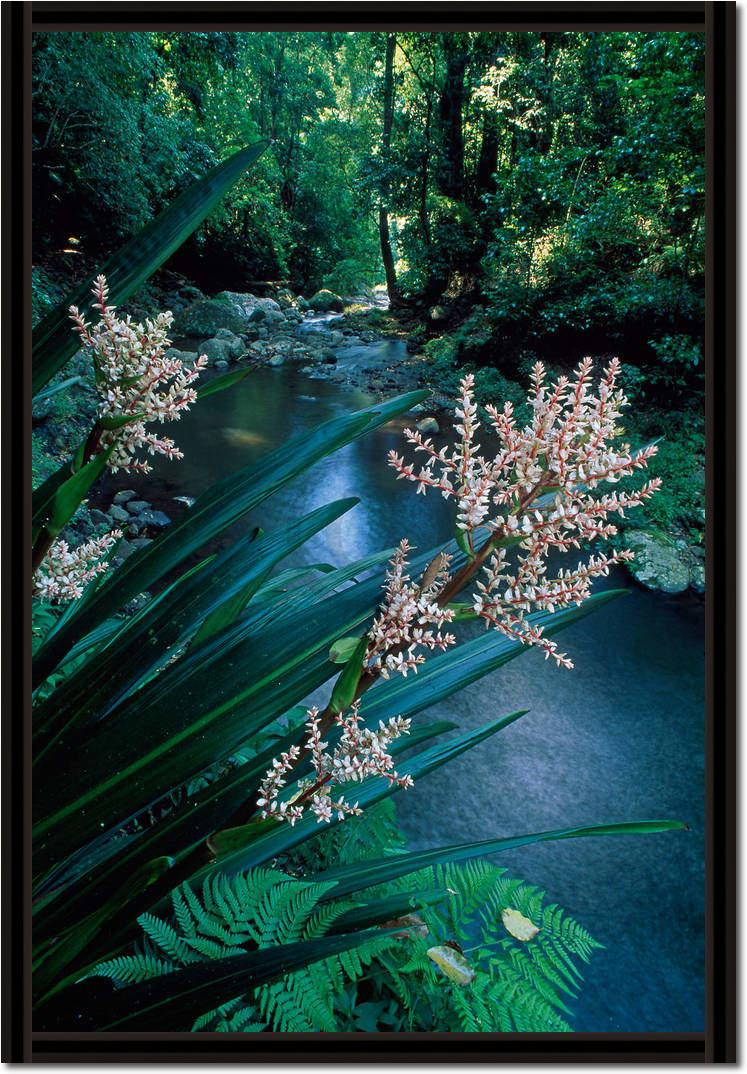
{"points": [[555, 179]]}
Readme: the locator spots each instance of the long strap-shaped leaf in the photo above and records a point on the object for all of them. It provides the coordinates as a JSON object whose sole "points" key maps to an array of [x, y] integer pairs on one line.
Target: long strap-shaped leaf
{"points": [[128, 659], [282, 837], [352, 878], [173, 1001], [138, 259], [105, 897], [225, 696], [214, 512]]}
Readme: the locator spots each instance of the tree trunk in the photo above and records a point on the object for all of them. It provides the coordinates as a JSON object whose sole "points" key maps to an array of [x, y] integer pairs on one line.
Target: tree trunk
{"points": [[386, 244], [451, 103], [424, 169], [487, 165]]}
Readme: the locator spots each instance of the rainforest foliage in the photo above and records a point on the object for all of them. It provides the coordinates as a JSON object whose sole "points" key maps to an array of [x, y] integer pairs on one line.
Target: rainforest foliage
{"points": [[550, 185]]}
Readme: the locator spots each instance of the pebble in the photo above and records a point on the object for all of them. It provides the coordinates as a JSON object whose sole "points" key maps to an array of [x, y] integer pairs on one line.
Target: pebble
{"points": [[118, 513], [124, 495], [154, 519], [136, 507]]}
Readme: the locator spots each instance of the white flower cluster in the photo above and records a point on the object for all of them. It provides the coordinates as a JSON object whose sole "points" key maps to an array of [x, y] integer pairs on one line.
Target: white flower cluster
{"points": [[409, 609], [359, 753], [65, 572], [535, 494], [135, 378]]}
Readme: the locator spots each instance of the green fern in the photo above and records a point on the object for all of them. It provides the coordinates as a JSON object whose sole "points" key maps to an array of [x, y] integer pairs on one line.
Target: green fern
{"points": [[519, 986], [233, 914]]}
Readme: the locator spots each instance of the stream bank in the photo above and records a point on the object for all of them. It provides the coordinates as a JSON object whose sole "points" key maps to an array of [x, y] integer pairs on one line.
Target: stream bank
{"points": [[355, 344]]}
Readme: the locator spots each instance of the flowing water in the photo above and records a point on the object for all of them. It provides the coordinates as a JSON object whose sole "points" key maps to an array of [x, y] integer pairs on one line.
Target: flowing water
{"points": [[620, 737]]}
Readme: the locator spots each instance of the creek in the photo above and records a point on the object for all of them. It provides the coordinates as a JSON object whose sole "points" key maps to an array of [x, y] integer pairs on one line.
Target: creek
{"points": [[620, 737]]}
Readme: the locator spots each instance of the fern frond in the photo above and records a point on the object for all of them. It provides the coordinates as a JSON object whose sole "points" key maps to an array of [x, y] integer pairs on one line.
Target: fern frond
{"points": [[132, 969], [164, 936]]}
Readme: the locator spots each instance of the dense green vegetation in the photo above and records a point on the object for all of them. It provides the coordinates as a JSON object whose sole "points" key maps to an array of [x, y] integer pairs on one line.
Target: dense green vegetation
{"points": [[556, 179]]}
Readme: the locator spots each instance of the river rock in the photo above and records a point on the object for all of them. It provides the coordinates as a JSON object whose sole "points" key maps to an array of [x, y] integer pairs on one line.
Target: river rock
{"points": [[132, 607], [302, 304], [204, 318], [428, 425], [284, 298], [227, 336], [221, 350], [123, 550], [118, 514], [221, 366], [124, 495], [659, 564], [326, 301], [156, 520], [100, 518], [244, 303], [136, 507], [191, 293], [697, 577], [261, 315]]}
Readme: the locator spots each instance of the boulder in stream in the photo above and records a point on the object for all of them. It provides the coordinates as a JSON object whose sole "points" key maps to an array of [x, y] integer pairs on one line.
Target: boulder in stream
{"points": [[326, 302], [659, 563], [136, 507], [204, 318], [222, 350]]}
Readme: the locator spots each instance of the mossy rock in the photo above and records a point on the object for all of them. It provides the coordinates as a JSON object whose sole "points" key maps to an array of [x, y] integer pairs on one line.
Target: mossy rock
{"points": [[326, 302], [659, 564], [202, 319]]}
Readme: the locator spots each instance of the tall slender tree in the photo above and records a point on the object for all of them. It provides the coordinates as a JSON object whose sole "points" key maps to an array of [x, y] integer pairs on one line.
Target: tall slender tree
{"points": [[387, 255]]}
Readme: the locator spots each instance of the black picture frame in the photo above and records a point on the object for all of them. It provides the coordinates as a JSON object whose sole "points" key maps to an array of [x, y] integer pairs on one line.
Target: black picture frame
{"points": [[718, 1043]]}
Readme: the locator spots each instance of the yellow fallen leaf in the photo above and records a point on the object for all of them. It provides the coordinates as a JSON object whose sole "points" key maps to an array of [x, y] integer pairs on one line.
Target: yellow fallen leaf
{"points": [[518, 925], [452, 963]]}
